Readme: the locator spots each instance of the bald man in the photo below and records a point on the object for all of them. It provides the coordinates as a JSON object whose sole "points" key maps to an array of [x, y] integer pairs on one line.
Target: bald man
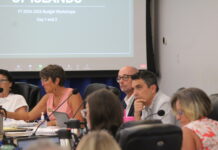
{"points": [[125, 82]]}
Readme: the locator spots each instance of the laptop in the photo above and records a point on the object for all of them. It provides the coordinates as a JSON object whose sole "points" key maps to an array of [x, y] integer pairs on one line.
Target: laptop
{"points": [[24, 142], [61, 118]]}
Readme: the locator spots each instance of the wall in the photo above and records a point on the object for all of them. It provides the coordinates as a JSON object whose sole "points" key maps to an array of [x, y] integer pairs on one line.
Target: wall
{"points": [[189, 55]]}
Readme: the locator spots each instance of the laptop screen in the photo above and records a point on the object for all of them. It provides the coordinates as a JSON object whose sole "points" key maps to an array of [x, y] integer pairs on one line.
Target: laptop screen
{"points": [[24, 143]]}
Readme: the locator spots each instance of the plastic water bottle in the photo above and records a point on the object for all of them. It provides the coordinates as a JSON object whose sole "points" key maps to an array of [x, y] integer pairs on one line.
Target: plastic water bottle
{"points": [[42, 119]]}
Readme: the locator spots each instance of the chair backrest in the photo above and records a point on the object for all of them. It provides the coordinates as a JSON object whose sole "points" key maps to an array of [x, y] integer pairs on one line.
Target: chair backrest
{"points": [[97, 86], [214, 103], [140, 122], [151, 137], [29, 91]]}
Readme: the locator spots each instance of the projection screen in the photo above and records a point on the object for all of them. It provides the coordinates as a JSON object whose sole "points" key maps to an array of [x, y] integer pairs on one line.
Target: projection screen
{"points": [[76, 34]]}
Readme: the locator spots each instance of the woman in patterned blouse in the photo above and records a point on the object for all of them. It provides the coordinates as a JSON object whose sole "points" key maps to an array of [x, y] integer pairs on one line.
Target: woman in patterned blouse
{"points": [[191, 107]]}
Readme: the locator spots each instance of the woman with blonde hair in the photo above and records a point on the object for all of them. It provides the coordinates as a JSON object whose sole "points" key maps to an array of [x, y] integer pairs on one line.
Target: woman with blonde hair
{"points": [[98, 140], [191, 107]]}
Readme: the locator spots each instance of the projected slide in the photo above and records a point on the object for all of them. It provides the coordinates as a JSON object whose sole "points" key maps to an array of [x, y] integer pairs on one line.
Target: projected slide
{"points": [[66, 28], [76, 34]]}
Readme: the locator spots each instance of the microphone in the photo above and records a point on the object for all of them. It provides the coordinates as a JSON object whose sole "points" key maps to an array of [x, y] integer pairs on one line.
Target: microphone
{"points": [[1, 90], [159, 113], [74, 123], [74, 92]]}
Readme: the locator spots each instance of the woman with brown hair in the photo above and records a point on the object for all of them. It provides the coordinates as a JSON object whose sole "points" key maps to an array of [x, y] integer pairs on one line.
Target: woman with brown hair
{"points": [[52, 78], [8, 100], [104, 111]]}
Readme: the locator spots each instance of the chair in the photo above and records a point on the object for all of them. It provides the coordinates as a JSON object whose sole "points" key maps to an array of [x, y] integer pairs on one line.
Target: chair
{"points": [[214, 103], [97, 86], [151, 137], [29, 91], [140, 122]]}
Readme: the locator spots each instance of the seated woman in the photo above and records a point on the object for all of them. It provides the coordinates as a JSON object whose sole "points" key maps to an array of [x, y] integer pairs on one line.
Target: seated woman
{"points": [[52, 78], [104, 111], [191, 107], [8, 100], [98, 140]]}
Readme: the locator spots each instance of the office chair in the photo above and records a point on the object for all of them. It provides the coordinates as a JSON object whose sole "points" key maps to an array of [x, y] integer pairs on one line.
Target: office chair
{"points": [[29, 91], [214, 110], [150, 137], [97, 86], [140, 122]]}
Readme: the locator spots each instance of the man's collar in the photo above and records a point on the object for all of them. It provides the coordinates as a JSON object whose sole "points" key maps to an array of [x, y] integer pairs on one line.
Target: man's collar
{"points": [[153, 101]]}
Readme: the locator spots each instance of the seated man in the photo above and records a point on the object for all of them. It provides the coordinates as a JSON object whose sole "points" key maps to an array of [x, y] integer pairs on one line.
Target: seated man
{"points": [[149, 100], [125, 82]]}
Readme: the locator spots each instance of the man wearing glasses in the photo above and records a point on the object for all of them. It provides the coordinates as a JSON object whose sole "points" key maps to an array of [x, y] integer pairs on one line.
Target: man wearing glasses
{"points": [[125, 82]]}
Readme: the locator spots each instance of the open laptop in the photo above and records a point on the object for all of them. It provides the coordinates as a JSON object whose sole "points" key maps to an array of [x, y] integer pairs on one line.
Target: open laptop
{"points": [[24, 142], [61, 118]]}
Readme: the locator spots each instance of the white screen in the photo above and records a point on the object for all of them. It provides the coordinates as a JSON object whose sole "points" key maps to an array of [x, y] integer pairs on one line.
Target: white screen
{"points": [[76, 34]]}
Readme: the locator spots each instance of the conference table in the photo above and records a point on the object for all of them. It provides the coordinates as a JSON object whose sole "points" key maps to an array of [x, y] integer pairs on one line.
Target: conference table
{"points": [[24, 133]]}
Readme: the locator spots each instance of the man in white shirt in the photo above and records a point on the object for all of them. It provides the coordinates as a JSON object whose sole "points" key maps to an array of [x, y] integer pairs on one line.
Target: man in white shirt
{"points": [[150, 103], [125, 82]]}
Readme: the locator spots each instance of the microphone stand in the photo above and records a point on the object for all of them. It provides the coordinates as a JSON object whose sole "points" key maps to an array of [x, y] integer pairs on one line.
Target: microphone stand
{"points": [[159, 113]]}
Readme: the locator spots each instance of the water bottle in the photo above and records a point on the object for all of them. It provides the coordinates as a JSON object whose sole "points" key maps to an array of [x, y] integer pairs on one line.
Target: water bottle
{"points": [[42, 119], [65, 138]]}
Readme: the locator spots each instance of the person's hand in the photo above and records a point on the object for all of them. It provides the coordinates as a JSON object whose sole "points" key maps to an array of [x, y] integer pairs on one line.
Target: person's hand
{"points": [[52, 123], [139, 105], [3, 112]]}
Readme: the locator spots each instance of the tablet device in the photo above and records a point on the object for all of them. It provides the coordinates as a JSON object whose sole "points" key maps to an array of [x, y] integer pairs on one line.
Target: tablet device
{"points": [[61, 117]]}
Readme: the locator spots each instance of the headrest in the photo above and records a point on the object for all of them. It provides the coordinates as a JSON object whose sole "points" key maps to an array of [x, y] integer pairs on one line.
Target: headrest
{"points": [[150, 136]]}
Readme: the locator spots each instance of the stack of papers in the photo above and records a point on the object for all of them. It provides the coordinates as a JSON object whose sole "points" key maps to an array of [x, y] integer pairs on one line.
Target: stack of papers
{"points": [[18, 134], [17, 128], [50, 130], [14, 129], [18, 123]]}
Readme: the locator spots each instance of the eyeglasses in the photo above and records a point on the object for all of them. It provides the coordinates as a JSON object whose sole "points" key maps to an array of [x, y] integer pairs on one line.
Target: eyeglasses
{"points": [[179, 112], [125, 77], [3, 80], [44, 80], [84, 113]]}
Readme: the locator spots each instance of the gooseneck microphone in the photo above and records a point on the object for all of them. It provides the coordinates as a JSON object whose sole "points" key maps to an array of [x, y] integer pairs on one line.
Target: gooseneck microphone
{"points": [[74, 92], [77, 110], [159, 113]]}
